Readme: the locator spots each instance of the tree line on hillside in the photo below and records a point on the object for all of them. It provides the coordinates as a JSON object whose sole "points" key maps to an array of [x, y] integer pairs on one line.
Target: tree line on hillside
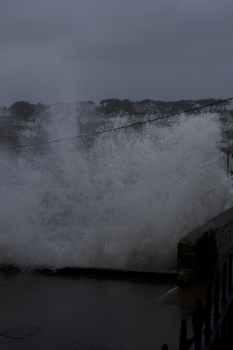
{"points": [[150, 106], [25, 110]]}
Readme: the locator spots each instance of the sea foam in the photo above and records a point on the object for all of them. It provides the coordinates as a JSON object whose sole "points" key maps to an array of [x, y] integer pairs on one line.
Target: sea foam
{"points": [[120, 200]]}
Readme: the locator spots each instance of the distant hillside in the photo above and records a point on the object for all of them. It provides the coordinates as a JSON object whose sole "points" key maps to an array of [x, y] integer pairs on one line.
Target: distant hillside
{"points": [[155, 107], [24, 122], [24, 110]]}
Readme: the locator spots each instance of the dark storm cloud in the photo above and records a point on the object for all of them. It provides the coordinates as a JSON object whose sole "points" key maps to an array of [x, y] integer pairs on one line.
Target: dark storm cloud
{"points": [[95, 49]]}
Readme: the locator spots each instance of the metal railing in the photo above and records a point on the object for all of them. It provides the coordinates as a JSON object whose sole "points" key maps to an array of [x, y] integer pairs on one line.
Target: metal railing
{"points": [[212, 324]]}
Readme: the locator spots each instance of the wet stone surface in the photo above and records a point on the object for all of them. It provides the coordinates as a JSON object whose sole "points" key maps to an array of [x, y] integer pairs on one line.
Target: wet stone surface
{"points": [[21, 332], [87, 313]]}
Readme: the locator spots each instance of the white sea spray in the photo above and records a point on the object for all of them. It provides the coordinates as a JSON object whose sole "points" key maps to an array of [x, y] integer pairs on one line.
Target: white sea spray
{"points": [[124, 202]]}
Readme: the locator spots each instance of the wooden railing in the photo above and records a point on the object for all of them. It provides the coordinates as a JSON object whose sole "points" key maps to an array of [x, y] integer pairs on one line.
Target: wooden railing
{"points": [[212, 324]]}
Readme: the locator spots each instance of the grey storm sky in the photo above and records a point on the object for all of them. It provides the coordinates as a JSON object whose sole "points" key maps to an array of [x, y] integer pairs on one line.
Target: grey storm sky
{"points": [[79, 50]]}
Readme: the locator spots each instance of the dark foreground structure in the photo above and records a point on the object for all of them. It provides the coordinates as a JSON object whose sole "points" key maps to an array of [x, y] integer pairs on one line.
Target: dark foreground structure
{"points": [[67, 312], [78, 312], [213, 321], [107, 310]]}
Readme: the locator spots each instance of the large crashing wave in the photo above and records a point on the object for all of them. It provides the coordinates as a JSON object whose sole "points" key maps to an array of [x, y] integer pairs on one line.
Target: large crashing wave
{"points": [[123, 202]]}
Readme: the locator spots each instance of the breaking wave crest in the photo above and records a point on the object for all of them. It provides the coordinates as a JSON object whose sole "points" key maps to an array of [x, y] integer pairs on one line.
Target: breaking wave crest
{"points": [[121, 200]]}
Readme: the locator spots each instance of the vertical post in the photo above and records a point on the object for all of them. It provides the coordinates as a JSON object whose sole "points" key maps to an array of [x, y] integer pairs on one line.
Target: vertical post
{"points": [[216, 294], [197, 324], [224, 282], [230, 273], [223, 300], [228, 162], [224, 331], [208, 309], [229, 327], [229, 317], [183, 335]]}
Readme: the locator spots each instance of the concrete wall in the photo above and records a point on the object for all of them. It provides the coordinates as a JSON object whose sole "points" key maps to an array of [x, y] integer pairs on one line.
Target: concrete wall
{"points": [[198, 251]]}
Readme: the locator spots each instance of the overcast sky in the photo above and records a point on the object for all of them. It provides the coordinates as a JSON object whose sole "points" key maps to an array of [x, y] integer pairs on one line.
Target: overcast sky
{"points": [[79, 50]]}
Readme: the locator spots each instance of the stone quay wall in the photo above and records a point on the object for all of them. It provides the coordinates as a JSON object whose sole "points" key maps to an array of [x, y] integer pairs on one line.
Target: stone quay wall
{"points": [[199, 250]]}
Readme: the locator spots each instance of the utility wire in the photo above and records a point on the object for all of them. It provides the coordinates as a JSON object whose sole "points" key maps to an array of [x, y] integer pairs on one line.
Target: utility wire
{"points": [[118, 128]]}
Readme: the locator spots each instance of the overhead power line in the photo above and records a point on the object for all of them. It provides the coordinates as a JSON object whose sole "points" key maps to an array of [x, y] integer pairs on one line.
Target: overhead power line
{"points": [[117, 128]]}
